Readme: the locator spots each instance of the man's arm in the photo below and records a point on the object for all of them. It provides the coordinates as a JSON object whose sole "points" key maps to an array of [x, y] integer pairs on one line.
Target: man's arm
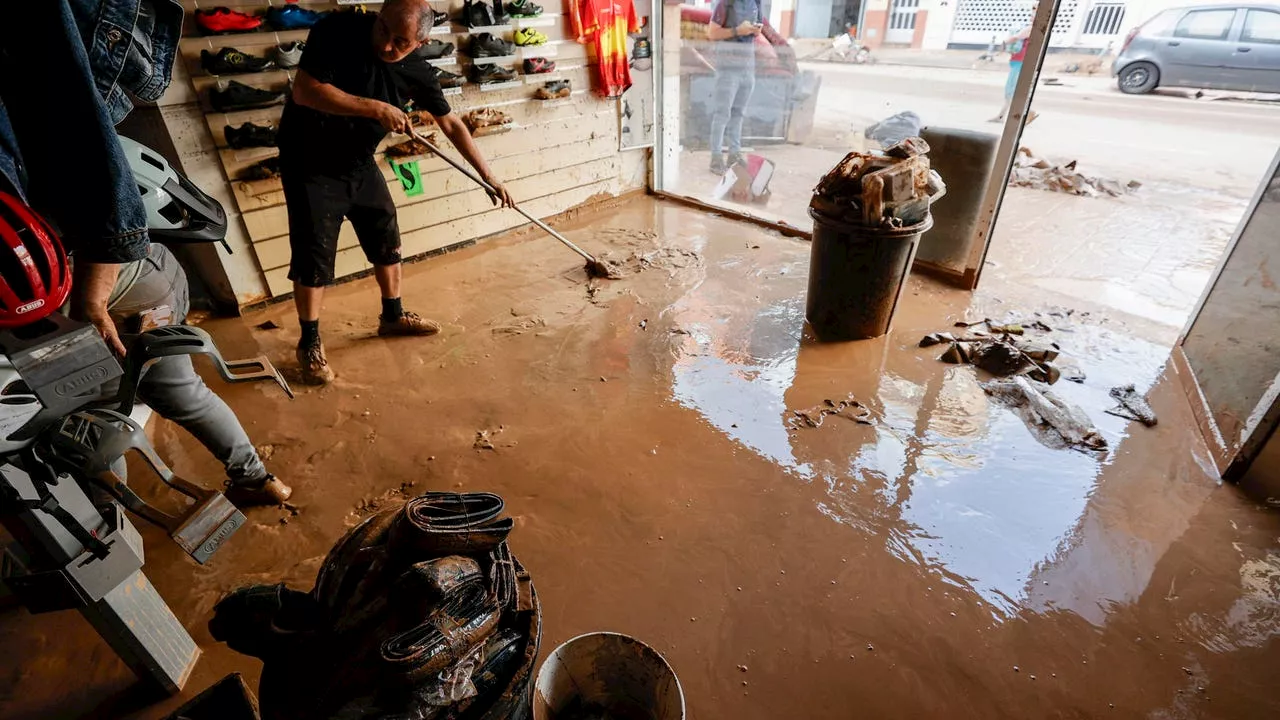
{"points": [[309, 92], [460, 136], [93, 283], [715, 32]]}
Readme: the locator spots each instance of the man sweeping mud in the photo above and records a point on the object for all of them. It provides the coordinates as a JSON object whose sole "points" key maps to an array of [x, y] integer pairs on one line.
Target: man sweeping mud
{"points": [[356, 76]]}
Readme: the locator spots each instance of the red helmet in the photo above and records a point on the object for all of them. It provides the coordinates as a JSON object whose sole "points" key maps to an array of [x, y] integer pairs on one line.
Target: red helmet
{"points": [[34, 277]]}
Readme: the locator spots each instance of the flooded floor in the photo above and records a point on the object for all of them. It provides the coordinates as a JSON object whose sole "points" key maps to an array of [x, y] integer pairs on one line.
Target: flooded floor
{"points": [[936, 561]]}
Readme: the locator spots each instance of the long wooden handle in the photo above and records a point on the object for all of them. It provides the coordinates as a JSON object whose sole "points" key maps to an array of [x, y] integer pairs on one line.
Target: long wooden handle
{"points": [[489, 189]]}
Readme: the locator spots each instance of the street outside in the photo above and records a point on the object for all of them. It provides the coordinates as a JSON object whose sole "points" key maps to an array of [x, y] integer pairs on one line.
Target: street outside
{"points": [[1146, 255]]}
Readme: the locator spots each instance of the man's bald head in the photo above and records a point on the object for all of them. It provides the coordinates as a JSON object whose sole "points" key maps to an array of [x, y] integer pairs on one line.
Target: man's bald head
{"points": [[402, 26], [415, 14]]}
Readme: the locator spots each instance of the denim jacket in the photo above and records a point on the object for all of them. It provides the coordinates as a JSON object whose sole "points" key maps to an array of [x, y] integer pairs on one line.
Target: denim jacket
{"points": [[68, 72]]}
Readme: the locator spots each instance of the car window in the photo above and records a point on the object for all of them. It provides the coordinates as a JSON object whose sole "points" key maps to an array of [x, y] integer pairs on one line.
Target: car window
{"points": [[1205, 24], [1161, 25], [1261, 26]]}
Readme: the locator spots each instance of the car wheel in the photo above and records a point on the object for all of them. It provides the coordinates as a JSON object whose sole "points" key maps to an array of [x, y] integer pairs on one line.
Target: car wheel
{"points": [[1139, 78]]}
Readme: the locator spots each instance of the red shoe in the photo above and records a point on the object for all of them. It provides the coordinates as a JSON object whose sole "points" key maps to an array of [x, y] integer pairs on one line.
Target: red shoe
{"points": [[224, 20]]}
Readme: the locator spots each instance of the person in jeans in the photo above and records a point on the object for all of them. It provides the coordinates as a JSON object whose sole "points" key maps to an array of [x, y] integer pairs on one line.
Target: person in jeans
{"points": [[357, 75], [59, 152], [733, 29]]}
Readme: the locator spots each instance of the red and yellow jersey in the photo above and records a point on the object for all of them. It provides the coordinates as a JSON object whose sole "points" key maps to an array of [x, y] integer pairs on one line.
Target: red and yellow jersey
{"points": [[605, 24]]}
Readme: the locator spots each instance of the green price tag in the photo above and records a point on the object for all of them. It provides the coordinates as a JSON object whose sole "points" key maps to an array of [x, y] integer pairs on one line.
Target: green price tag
{"points": [[410, 177]]}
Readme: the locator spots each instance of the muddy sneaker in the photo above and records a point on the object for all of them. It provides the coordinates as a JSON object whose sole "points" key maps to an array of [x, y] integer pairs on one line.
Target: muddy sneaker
{"points": [[289, 55], [434, 50], [408, 324], [488, 74], [554, 90], [523, 9], [489, 45], [314, 366], [718, 166], [736, 159], [230, 60], [528, 37], [250, 135], [238, 96], [267, 491], [538, 65], [449, 80]]}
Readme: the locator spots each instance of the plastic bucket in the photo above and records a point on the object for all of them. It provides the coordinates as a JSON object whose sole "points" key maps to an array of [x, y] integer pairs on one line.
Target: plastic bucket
{"points": [[856, 276], [610, 675]]}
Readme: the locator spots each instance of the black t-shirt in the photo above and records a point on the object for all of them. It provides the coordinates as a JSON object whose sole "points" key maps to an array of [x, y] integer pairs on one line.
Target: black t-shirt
{"points": [[340, 52]]}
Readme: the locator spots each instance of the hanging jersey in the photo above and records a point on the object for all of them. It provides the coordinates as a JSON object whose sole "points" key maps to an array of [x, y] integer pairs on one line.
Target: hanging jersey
{"points": [[605, 24]]}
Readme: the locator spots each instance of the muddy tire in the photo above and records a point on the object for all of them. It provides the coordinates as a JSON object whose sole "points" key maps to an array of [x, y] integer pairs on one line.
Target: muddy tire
{"points": [[1138, 78]]}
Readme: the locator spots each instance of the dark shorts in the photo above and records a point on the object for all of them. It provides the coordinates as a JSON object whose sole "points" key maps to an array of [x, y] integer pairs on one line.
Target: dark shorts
{"points": [[317, 204]]}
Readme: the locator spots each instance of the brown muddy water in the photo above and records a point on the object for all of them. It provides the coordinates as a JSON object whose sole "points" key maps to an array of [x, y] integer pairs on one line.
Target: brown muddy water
{"points": [[919, 554]]}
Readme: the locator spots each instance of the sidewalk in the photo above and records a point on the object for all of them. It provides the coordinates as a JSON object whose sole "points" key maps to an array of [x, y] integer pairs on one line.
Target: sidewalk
{"points": [[816, 48]]}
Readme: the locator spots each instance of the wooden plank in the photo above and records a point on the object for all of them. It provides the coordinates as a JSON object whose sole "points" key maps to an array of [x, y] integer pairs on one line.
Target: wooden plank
{"points": [[453, 233], [275, 252], [273, 222]]}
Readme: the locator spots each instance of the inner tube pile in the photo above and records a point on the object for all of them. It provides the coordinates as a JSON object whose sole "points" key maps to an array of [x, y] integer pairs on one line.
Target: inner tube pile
{"points": [[418, 612]]}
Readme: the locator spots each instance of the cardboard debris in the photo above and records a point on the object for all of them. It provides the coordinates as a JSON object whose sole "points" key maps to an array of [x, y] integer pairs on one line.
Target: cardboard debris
{"points": [[1030, 171], [1055, 422], [1132, 405]]}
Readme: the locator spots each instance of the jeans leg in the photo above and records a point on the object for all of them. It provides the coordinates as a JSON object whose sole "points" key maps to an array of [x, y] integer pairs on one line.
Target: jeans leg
{"points": [[726, 87], [173, 388], [737, 113]]}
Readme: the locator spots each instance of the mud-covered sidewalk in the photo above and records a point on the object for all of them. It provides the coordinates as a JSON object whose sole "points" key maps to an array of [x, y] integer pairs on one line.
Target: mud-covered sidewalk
{"points": [[928, 558]]}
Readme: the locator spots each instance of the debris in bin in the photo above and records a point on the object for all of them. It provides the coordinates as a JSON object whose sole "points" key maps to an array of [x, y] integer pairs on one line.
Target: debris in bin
{"points": [[1132, 405], [1055, 422], [1030, 171], [894, 189]]}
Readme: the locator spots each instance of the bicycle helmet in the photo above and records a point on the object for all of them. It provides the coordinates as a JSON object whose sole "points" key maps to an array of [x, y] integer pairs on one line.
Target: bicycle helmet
{"points": [[34, 276], [177, 210]]}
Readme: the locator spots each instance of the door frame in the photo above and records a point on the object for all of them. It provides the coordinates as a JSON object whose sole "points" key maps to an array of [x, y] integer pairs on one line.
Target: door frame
{"points": [[1231, 463]]}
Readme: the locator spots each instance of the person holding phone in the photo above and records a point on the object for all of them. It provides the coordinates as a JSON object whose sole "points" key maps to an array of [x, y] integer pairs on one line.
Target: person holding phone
{"points": [[733, 29]]}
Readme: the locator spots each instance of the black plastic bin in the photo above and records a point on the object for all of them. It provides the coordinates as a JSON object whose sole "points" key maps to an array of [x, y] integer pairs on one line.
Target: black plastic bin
{"points": [[856, 275]]}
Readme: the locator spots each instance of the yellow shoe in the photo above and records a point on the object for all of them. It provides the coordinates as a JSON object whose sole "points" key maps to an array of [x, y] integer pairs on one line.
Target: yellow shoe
{"points": [[526, 37]]}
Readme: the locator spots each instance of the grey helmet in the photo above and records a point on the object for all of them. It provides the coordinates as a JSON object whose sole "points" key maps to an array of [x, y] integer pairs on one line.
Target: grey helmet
{"points": [[177, 210]]}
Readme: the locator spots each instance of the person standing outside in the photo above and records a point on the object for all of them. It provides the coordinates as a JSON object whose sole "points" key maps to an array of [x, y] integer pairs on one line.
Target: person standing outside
{"points": [[1017, 44], [356, 76], [733, 29]]}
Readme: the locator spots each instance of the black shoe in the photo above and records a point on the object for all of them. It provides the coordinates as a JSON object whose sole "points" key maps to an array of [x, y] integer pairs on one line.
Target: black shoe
{"points": [[554, 90], [230, 60], [239, 96], [500, 16], [717, 165], [523, 9], [489, 45], [266, 170], [488, 74], [250, 135], [449, 80], [434, 50], [475, 13], [439, 19]]}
